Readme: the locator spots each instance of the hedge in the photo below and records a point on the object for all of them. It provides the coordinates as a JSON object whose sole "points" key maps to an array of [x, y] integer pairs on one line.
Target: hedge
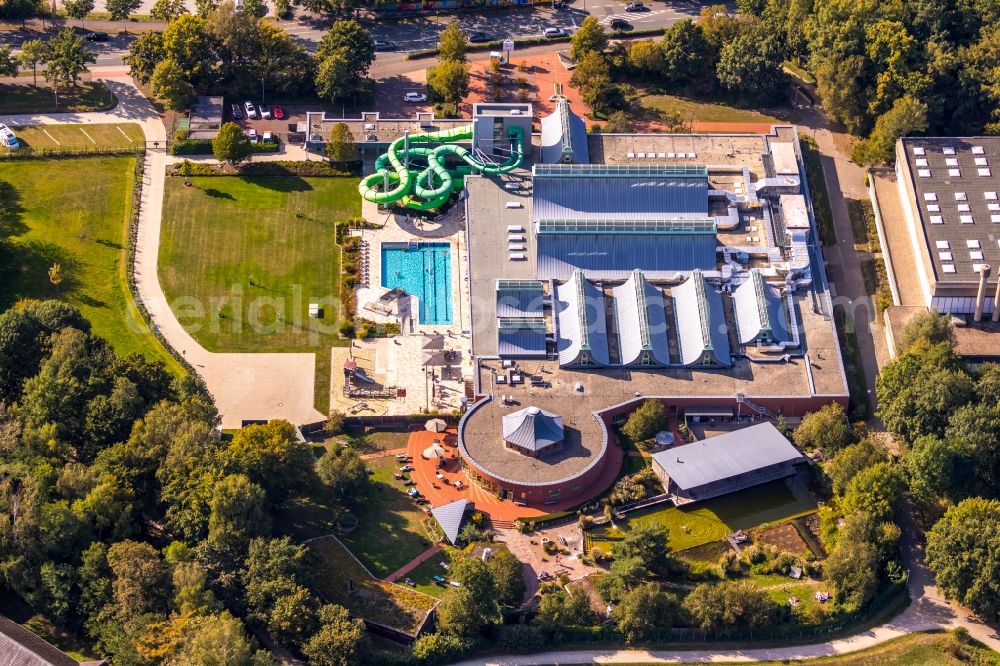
{"points": [[191, 147], [270, 168], [265, 147], [523, 42]]}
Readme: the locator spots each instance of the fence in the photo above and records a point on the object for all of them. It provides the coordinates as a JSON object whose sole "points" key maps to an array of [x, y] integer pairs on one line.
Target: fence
{"points": [[26, 153]]}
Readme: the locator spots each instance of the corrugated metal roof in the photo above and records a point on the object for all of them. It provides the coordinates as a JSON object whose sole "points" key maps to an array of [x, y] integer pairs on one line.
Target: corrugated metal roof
{"points": [[449, 517], [701, 323], [615, 256], [642, 322], [759, 311], [519, 298], [583, 192], [532, 428], [726, 456], [564, 136], [583, 335], [521, 342]]}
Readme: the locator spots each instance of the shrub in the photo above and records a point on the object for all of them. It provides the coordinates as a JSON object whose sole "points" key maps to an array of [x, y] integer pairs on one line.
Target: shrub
{"points": [[519, 638], [264, 147], [187, 146]]}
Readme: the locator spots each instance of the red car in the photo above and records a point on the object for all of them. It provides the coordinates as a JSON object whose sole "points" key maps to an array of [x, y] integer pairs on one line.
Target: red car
{"points": [[278, 112]]}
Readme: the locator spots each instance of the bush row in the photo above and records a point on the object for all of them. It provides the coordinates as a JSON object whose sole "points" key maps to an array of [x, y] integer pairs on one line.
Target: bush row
{"points": [[191, 147], [273, 168]]}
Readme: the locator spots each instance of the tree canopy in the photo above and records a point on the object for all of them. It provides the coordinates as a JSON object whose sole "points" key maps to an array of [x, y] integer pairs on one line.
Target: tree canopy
{"points": [[962, 552]]}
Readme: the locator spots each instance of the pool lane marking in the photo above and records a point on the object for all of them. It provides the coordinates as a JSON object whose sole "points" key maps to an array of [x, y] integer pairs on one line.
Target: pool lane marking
{"points": [[124, 134], [51, 137], [88, 136]]}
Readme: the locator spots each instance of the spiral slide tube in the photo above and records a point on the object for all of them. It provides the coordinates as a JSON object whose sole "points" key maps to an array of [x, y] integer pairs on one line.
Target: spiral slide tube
{"points": [[429, 188]]}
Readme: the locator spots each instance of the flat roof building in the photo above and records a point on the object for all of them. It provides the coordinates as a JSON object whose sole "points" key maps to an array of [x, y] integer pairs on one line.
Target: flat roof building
{"points": [[949, 189], [726, 463]]}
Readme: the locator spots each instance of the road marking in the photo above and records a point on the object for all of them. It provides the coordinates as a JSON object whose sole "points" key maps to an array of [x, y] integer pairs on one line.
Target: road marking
{"points": [[88, 136], [51, 137], [125, 135]]}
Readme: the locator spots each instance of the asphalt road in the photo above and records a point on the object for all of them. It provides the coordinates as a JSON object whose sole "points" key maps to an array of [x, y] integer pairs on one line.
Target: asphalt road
{"points": [[410, 34]]}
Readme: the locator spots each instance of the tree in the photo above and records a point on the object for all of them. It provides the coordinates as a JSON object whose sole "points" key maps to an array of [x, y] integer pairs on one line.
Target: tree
{"points": [[508, 577], [341, 148], [852, 460], [962, 552], [170, 86], [649, 419], [939, 469], [648, 543], [826, 429], [592, 77], [119, 10], [33, 53], [78, 9], [144, 54], [271, 571], [238, 514], [731, 604], [140, 579], [20, 9], [188, 42], [231, 145], [214, 640], [56, 274], [926, 330], [294, 616], [643, 610], [285, 66], [750, 64], [334, 79], [338, 639], [619, 123], [439, 648], [343, 473], [977, 427], [646, 57], [167, 10], [589, 38], [68, 56], [450, 80], [917, 392], [354, 42], [686, 56], [271, 456], [559, 610], [466, 609], [875, 490], [906, 116], [853, 569], [452, 43]]}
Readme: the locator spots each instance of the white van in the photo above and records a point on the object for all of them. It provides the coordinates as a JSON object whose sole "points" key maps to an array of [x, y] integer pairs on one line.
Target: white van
{"points": [[8, 139]]}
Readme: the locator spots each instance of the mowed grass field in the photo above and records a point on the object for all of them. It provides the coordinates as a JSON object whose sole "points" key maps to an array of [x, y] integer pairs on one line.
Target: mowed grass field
{"points": [[27, 98], [55, 137], [241, 259], [74, 212]]}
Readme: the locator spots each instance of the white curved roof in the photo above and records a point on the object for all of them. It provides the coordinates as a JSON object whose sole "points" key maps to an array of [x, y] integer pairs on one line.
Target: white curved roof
{"points": [[582, 327], [759, 311], [701, 322], [642, 321]]}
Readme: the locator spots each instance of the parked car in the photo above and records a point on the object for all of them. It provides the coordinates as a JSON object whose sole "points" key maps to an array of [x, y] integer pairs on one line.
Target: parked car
{"points": [[265, 112], [96, 37], [414, 97], [250, 109], [619, 24], [382, 45], [635, 7], [559, 4], [476, 37], [7, 138], [252, 134], [278, 112], [237, 111], [267, 137], [554, 32]]}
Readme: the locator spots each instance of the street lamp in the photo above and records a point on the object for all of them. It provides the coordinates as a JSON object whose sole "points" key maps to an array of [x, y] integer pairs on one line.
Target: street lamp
{"points": [[262, 90]]}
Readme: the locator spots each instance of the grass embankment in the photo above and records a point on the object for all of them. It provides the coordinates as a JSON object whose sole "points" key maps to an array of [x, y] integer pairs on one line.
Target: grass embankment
{"points": [[817, 187], [26, 98], [713, 519], [705, 111], [241, 259], [75, 212], [866, 240]]}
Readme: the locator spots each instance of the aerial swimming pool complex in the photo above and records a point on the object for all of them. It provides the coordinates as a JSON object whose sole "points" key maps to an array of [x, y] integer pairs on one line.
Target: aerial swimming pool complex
{"points": [[422, 270]]}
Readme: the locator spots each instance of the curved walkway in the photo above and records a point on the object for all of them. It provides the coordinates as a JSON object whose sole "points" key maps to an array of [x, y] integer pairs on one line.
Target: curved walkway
{"points": [[245, 386]]}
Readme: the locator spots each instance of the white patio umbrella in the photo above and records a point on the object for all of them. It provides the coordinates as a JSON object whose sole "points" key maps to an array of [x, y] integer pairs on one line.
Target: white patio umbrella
{"points": [[436, 425], [435, 450]]}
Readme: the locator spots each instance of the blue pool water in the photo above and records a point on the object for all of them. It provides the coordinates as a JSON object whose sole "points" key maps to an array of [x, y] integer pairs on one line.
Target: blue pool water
{"points": [[422, 270]]}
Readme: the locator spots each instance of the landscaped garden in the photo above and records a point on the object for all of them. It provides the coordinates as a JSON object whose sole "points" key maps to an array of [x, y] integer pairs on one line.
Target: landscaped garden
{"points": [[241, 259], [341, 580], [74, 214], [713, 519]]}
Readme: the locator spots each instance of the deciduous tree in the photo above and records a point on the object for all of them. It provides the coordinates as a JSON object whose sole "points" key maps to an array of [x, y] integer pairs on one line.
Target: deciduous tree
{"points": [[906, 116], [643, 610], [341, 148], [68, 58], [170, 85], [450, 80], [78, 9], [962, 551], [120, 10], [231, 145], [731, 604], [649, 419], [168, 10], [452, 43], [33, 53], [827, 428], [338, 639]]}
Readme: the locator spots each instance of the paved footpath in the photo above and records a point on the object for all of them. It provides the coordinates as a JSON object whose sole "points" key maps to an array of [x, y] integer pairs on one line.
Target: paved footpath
{"points": [[245, 386]]}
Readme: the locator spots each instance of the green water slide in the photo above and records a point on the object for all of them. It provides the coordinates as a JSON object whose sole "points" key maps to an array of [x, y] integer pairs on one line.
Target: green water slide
{"points": [[428, 188]]}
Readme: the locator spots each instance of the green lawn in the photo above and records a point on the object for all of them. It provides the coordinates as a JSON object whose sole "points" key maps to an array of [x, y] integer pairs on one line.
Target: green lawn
{"points": [[279, 232], [817, 187], [424, 574], [709, 112], [392, 605], [378, 441], [74, 212], [25, 98], [391, 529], [712, 520], [55, 137]]}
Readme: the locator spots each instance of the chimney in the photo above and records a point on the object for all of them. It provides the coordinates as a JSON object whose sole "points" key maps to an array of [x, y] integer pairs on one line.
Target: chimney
{"points": [[984, 274], [996, 303]]}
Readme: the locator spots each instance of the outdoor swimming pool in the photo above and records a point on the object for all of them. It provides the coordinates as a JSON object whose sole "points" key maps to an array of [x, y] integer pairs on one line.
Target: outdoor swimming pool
{"points": [[422, 270]]}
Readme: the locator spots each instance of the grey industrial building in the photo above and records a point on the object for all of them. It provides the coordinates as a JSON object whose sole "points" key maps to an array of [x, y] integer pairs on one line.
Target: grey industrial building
{"points": [[726, 463]]}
